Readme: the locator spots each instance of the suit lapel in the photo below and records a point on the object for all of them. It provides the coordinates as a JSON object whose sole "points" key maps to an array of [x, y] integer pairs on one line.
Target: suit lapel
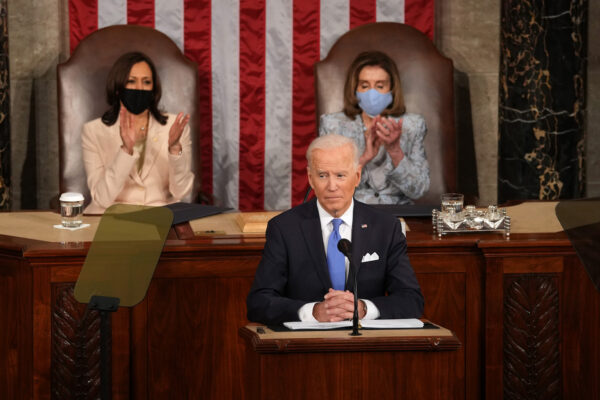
{"points": [[311, 230]]}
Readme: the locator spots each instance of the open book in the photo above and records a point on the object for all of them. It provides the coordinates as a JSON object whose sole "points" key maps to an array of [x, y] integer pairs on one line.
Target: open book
{"points": [[410, 323]]}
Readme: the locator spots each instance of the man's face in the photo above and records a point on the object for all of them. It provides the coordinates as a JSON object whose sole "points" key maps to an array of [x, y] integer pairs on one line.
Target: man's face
{"points": [[333, 177]]}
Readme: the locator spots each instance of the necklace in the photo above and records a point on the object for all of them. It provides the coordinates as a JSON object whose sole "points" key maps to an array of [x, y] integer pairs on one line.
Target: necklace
{"points": [[363, 123], [143, 128]]}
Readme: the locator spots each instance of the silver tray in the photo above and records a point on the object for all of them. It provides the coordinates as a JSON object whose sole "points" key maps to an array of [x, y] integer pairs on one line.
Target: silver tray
{"points": [[474, 221]]}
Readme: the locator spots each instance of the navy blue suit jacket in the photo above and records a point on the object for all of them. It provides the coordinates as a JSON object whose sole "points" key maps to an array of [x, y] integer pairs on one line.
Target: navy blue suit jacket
{"points": [[293, 270]]}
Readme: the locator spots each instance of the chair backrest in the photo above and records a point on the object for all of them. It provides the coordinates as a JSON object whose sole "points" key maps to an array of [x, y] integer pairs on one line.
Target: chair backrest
{"points": [[427, 85], [82, 83]]}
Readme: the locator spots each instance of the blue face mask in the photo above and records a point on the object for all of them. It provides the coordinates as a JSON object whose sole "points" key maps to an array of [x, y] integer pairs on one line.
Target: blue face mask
{"points": [[372, 102]]}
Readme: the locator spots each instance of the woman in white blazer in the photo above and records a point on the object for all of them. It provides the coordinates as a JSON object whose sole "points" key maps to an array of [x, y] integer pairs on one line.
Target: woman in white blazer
{"points": [[136, 154]]}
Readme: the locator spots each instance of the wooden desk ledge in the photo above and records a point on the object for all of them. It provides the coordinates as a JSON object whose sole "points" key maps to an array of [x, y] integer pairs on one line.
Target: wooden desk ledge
{"points": [[440, 339]]}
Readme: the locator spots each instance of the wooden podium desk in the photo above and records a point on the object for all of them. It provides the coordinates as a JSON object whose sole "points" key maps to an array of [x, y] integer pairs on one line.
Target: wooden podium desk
{"points": [[523, 308], [380, 364]]}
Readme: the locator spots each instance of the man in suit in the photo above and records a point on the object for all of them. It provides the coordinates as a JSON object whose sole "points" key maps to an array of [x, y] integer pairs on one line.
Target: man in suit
{"points": [[302, 274]]}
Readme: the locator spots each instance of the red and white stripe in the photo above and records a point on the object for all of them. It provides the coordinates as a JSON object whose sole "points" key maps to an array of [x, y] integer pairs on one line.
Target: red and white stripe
{"points": [[255, 62]]}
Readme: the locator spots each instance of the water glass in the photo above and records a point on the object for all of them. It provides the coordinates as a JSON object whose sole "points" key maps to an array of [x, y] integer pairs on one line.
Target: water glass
{"points": [[71, 209], [452, 201]]}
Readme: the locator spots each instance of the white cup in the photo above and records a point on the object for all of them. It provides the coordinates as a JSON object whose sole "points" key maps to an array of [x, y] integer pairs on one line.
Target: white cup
{"points": [[71, 209]]}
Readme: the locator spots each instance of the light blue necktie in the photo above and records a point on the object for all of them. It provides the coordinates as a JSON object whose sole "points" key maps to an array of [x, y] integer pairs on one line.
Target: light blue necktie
{"points": [[335, 259]]}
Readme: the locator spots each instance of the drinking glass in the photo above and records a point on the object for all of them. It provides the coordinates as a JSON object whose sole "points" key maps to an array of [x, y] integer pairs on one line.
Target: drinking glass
{"points": [[71, 209], [452, 201]]}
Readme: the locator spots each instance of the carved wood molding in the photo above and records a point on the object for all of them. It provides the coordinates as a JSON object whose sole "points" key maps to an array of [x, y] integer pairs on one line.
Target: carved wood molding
{"points": [[531, 349], [75, 347]]}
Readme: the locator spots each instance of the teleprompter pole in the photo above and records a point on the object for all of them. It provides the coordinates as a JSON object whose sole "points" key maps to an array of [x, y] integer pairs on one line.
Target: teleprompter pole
{"points": [[105, 306]]}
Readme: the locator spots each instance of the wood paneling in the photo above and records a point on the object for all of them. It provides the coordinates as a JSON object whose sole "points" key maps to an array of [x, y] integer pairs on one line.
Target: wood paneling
{"points": [[555, 294], [75, 347], [531, 354], [192, 337], [42, 332], [181, 340], [445, 300], [15, 329], [355, 371], [579, 332]]}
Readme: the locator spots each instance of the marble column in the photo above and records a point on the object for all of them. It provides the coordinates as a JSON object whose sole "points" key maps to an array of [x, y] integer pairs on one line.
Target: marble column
{"points": [[543, 55], [4, 111]]}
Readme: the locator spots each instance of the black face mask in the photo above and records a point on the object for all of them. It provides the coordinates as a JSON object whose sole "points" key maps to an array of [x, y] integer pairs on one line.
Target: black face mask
{"points": [[137, 101]]}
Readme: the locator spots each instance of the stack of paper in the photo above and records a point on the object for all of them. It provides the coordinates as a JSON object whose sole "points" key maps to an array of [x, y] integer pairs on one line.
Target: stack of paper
{"points": [[411, 323]]}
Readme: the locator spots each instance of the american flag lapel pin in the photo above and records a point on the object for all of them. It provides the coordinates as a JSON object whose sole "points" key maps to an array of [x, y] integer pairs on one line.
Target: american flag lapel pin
{"points": [[363, 226]]}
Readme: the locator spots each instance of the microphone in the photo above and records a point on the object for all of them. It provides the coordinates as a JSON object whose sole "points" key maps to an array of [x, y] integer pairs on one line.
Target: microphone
{"points": [[345, 247], [307, 193]]}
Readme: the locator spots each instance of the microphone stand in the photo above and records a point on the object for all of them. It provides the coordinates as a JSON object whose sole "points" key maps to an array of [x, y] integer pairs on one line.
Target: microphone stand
{"points": [[345, 247], [355, 331]]}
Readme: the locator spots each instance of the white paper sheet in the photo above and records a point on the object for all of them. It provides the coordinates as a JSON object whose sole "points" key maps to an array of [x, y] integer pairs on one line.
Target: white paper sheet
{"points": [[410, 323]]}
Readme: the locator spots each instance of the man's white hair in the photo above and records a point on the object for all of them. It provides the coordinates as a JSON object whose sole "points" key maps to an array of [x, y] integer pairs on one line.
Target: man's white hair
{"points": [[332, 141]]}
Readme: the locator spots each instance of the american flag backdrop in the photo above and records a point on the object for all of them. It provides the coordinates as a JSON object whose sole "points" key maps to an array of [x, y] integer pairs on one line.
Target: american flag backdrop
{"points": [[255, 62]]}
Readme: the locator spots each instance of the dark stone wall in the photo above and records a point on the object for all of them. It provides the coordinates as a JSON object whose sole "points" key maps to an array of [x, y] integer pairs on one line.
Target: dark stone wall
{"points": [[543, 56]]}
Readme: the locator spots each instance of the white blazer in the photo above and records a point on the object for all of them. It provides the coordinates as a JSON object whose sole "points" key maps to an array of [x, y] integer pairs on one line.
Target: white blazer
{"points": [[112, 174]]}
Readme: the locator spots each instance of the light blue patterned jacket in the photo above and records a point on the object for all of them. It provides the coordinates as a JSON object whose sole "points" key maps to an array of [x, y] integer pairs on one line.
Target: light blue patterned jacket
{"points": [[381, 183]]}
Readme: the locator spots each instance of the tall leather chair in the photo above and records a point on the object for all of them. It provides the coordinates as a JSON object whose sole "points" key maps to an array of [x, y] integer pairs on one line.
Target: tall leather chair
{"points": [[81, 91], [427, 83]]}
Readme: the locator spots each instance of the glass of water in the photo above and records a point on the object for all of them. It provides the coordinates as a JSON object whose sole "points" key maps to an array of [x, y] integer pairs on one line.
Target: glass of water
{"points": [[71, 209], [452, 201]]}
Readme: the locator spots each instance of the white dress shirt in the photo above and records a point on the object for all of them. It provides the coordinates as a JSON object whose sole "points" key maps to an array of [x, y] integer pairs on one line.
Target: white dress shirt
{"points": [[305, 313]]}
